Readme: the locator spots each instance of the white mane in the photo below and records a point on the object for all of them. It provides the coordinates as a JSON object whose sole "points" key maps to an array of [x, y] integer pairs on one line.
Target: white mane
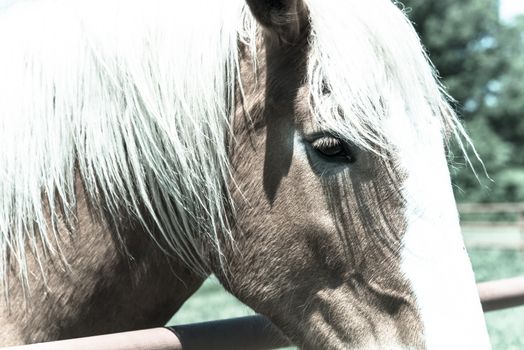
{"points": [[135, 97]]}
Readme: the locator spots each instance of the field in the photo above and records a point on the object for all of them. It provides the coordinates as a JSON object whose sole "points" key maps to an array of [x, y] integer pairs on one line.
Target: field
{"points": [[505, 327]]}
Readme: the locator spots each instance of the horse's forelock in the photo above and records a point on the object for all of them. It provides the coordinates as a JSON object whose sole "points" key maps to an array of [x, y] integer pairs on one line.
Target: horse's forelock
{"points": [[362, 64]]}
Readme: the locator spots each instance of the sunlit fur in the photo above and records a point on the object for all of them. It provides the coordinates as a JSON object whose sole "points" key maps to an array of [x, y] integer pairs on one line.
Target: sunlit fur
{"points": [[135, 97]]}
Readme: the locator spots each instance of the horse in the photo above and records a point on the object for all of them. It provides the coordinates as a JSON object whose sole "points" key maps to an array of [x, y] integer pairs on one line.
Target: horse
{"points": [[294, 148]]}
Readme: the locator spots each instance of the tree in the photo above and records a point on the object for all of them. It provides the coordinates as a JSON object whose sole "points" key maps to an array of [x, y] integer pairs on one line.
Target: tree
{"points": [[481, 62]]}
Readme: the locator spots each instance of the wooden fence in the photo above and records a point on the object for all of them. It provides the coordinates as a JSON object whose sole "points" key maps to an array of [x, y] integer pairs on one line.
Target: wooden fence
{"points": [[493, 224]]}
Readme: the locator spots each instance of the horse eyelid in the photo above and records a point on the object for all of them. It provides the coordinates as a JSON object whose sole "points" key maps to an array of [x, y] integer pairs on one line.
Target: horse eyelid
{"points": [[323, 140]]}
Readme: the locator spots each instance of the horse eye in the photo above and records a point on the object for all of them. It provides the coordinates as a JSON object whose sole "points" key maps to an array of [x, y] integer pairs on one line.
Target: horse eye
{"points": [[333, 148]]}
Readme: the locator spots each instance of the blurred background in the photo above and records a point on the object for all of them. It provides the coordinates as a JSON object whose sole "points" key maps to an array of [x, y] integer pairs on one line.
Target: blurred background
{"points": [[477, 47]]}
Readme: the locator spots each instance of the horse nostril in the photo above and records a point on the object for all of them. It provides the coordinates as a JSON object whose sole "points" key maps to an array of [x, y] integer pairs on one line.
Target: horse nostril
{"points": [[392, 304]]}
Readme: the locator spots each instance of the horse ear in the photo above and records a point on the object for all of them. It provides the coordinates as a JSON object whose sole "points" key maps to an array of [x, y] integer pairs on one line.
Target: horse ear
{"points": [[287, 19]]}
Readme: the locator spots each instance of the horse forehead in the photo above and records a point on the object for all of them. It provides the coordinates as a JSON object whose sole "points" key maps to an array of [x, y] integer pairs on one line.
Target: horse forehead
{"points": [[304, 117]]}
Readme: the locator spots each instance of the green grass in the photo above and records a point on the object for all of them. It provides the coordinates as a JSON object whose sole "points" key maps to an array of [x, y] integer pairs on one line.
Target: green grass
{"points": [[506, 327], [210, 302]]}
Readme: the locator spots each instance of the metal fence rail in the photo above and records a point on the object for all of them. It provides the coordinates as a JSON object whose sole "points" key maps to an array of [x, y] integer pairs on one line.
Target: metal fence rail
{"points": [[252, 332], [502, 294]]}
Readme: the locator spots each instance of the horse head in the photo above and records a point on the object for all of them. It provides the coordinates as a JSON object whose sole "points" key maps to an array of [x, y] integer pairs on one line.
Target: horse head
{"points": [[345, 224]]}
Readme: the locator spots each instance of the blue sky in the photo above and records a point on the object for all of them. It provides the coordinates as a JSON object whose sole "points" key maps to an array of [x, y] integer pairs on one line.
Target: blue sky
{"points": [[510, 8]]}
